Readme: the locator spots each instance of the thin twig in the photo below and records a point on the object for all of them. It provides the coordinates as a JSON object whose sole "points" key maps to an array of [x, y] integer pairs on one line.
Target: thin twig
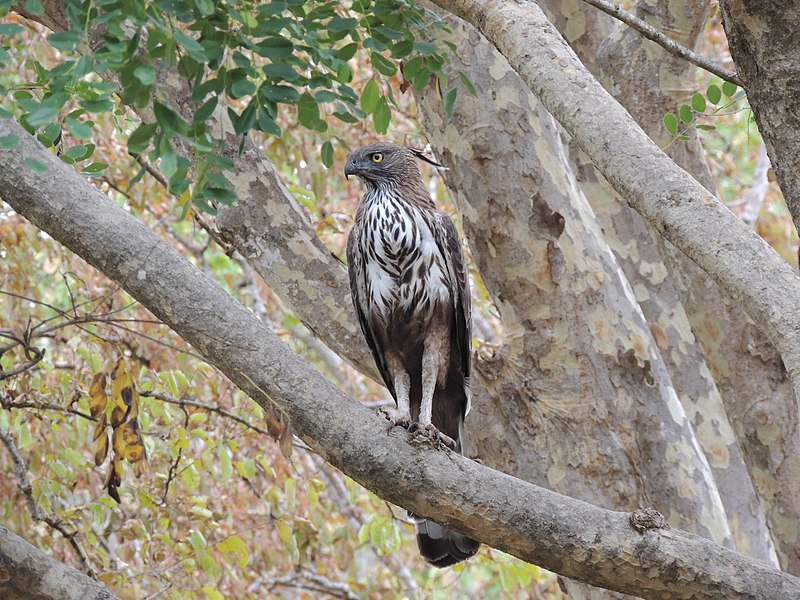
{"points": [[173, 468], [185, 402], [670, 45], [314, 583], [37, 514], [8, 404]]}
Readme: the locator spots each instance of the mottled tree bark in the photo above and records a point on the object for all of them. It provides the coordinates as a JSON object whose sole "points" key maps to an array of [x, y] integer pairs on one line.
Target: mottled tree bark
{"points": [[27, 573], [649, 81], [629, 553], [579, 362]]}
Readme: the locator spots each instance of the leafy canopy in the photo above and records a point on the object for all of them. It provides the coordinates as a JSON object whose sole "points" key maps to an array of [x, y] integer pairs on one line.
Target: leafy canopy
{"points": [[248, 56]]}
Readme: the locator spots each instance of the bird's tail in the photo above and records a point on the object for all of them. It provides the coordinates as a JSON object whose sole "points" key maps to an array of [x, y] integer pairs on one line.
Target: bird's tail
{"points": [[440, 546]]}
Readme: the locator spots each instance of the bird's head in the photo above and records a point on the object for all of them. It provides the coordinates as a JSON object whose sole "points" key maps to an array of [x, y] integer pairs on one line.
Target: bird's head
{"points": [[385, 163]]}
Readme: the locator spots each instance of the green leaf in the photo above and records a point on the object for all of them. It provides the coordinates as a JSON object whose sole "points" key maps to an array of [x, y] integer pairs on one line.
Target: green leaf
{"points": [[145, 74], [246, 468], [138, 140], [34, 7], [205, 111], [169, 163], [63, 40], [241, 87], [4, 114], [99, 105], [685, 113], [425, 48], [729, 89], [345, 74], [35, 165], [308, 113], [244, 122], [347, 52], [225, 462], [206, 7], [191, 45], [275, 48], [78, 129], [10, 29], [341, 24], [382, 116], [707, 127], [467, 83], [370, 97], [326, 153], [7, 142], [235, 545], [449, 102], [671, 123], [80, 152], [698, 102], [383, 65], [713, 94], [94, 168], [169, 119], [211, 593], [281, 71], [43, 114]]}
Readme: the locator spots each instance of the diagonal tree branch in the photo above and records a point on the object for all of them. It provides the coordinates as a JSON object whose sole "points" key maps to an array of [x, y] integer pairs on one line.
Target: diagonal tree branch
{"points": [[566, 535], [670, 45]]}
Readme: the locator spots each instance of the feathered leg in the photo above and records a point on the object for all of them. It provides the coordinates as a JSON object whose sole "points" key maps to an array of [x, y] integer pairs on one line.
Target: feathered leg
{"points": [[434, 373], [402, 388]]}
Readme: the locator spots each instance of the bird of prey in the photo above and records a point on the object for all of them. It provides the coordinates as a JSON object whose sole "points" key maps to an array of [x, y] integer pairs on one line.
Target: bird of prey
{"points": [[409, 287]]}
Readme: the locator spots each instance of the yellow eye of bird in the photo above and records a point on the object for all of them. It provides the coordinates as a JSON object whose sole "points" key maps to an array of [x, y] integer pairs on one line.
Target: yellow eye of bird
{"points": [[377, 157]]}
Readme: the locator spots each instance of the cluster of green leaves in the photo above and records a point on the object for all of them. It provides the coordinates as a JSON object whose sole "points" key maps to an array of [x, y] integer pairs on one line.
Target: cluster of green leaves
{"points": [[688, 113], [247, 55]]}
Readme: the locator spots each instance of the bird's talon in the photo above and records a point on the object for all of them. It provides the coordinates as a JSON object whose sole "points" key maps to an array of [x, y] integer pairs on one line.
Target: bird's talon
{"points": [[395, 418], [436, 436]]}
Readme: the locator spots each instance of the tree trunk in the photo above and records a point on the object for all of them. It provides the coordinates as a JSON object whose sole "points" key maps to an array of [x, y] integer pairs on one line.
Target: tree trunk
{"points": [[764, 42]]}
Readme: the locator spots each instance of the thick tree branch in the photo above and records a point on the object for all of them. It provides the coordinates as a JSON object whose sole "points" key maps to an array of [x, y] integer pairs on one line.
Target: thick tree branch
{"points": [[27, 573], [559, 533], [670, 45], [676, 205]]}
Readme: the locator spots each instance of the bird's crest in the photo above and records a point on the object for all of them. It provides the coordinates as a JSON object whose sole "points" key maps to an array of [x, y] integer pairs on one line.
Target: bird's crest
{"points": [[420, 154]]}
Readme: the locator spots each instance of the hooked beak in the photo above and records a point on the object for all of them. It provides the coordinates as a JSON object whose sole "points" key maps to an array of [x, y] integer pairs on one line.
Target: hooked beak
{"points": [[350, 168]]}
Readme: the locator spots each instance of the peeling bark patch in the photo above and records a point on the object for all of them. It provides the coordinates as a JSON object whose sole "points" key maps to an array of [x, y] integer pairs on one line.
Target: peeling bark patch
{"points": [[556, 260], [636, 369], [647, 518]]}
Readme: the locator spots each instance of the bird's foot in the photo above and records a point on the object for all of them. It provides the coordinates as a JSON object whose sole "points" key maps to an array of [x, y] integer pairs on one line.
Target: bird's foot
{"points": [[395, 418], [437, 437]]}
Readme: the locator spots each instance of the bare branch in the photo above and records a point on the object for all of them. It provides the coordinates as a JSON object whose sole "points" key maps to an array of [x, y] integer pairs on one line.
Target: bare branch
{"points": [[312, 582], [37, 514], [670, 45], [186, 402]]}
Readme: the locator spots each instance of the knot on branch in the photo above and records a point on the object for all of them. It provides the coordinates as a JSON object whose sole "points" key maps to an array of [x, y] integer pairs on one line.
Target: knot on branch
{"points": [[647, 518]]}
